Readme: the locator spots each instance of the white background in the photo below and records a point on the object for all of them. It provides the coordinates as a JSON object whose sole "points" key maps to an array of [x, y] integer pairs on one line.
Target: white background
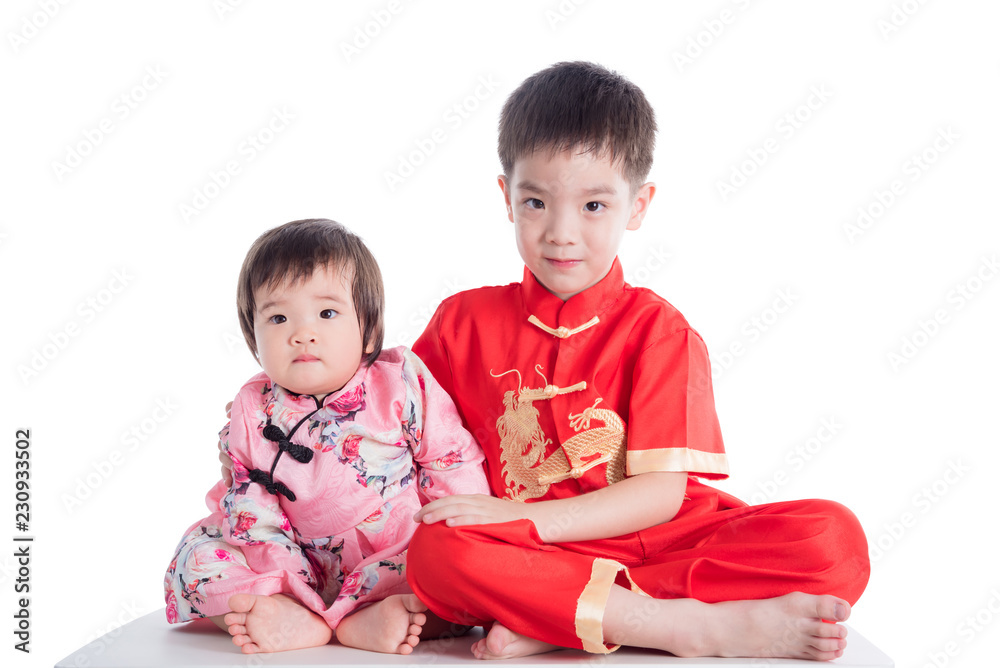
{"points": [[116, 305]]}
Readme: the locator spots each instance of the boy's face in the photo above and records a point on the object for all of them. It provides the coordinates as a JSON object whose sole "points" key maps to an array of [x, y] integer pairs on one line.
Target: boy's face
{"points": [[308, 336], [570, 210]]}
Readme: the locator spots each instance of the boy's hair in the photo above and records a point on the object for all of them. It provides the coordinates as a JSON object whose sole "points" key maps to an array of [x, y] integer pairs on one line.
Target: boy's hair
{"points": [[580, 105], [293, 251]]}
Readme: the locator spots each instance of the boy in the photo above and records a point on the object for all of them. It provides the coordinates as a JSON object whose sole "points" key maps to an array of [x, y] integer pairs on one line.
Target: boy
{"points": [[593, 402]]}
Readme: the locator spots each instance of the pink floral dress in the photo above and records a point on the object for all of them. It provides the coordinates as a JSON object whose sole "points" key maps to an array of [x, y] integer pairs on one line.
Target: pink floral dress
{"points": [[323, 496]]}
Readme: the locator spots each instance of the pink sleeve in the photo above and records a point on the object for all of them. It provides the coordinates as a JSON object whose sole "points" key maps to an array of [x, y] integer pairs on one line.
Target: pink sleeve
{"points": [[450, 459]]}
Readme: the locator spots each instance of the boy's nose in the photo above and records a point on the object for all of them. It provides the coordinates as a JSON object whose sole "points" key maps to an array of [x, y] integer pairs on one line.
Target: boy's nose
{"points": [[560, 229]]}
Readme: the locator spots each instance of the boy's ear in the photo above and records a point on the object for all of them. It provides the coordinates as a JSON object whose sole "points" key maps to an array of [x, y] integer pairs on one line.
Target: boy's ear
{"points": [[641, 204], [502, 182]]}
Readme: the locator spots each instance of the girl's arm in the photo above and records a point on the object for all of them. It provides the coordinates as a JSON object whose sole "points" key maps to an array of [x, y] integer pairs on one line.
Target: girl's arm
{"points": [[449, 458]]}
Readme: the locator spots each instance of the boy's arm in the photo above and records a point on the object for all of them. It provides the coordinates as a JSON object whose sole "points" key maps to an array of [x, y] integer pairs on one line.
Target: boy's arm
{"points": [[635, 503]]}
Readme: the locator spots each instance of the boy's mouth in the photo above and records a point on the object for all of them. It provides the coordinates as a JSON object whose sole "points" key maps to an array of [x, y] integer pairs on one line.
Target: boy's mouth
{"points": [[562, 264], [306, 358]]}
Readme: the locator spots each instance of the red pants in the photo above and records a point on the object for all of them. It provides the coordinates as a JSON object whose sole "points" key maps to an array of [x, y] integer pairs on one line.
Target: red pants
{"points": [[715, 549]]}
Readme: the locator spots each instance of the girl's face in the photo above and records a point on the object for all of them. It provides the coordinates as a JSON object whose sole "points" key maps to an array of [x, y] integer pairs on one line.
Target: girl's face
{"points": [[307, 332]]}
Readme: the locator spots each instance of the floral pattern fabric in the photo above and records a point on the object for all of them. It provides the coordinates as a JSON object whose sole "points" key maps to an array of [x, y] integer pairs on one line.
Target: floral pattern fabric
{"points": [[387, 442]]}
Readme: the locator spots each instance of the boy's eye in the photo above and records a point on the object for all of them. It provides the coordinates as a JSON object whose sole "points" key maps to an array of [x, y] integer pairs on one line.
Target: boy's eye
{"points": [[327, 313], [593, 206], [277, 319], [534, 203]]}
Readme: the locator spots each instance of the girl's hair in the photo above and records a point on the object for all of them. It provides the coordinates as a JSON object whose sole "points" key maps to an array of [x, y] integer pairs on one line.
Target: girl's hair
{"points": [[293, 251]]}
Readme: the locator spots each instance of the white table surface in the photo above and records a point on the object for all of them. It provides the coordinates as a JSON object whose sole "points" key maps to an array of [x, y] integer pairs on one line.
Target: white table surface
{"points": [[151, 642]]}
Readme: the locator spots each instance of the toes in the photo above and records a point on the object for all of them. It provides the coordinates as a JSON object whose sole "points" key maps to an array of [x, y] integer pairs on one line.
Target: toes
{"points": [[832, 608], [413, 604], [827, 644], [241, 602], [496, 640], [418, 618], [415, 630], [235, 618], [824, 630], [824, 656], [825, 607], [250, 648], [237, 630]]}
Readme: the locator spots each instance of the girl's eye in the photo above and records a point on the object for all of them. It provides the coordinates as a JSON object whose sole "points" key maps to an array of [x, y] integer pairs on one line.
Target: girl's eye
{"points": [[327, 313], [593, 206], [535, 203], [277, 319]]}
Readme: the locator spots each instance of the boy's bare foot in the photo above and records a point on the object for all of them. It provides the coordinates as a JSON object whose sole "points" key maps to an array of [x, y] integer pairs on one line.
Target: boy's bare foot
{"points": [[502, 643], [273, 624], [391, 626], [789, 626]]}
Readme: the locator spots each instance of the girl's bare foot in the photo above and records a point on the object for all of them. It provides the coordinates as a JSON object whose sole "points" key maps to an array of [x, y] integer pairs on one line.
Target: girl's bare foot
{"points": [[391, 626], [789, 626], [274, 624], [502, 643]]}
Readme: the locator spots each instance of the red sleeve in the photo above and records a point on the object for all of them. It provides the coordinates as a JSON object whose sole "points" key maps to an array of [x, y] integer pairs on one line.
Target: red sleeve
{"points": [[672, 421], [431, 351]]}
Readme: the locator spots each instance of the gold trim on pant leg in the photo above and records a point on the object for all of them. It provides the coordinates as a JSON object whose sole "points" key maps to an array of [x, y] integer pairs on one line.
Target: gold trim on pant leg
{"points": [[635, 588], [590, 606]]}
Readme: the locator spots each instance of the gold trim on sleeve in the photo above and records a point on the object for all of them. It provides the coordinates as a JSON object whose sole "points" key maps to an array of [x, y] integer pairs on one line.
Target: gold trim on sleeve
{"points": [[590, 606], [676, 459]]}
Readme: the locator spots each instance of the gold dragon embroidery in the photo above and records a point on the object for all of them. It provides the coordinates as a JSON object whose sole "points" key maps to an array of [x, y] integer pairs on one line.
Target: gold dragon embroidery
{"points": [[526, 471]]}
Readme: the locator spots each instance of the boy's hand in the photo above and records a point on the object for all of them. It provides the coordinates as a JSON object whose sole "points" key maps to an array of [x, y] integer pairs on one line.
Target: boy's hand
{"points": [[462, 509], [227, 463]]}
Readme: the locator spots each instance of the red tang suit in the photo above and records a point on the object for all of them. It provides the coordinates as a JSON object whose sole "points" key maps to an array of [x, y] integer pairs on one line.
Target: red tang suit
{"points": [[569, 397]]}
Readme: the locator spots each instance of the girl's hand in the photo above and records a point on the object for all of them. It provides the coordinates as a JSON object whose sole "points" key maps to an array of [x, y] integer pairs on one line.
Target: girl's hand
{"points": [[227, 463], [462, 509]]}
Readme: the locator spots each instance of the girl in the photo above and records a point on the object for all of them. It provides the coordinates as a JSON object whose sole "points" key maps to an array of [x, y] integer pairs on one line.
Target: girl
{"points": [[334, 447]]}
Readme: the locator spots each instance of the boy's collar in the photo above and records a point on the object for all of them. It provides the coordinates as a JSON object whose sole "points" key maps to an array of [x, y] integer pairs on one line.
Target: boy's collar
{"points": [[579, 308]]}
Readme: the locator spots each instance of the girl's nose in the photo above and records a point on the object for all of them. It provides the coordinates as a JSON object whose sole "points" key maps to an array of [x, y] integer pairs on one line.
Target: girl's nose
{"points": [[304, 334]]}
